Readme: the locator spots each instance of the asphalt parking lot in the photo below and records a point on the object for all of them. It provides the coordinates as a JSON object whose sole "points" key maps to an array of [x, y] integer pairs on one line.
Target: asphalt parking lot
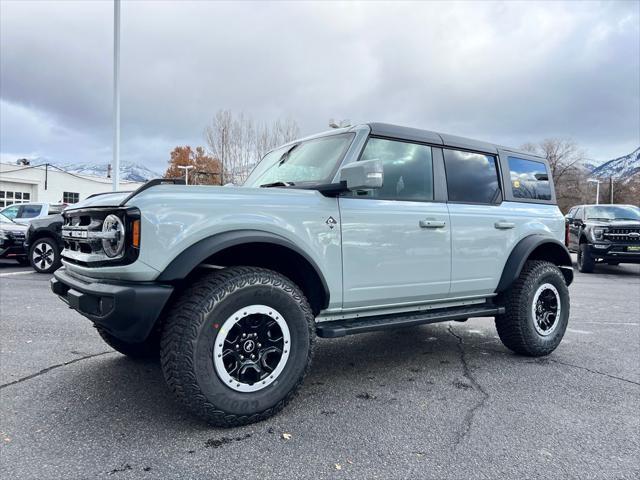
{"points": [[438, 401]]}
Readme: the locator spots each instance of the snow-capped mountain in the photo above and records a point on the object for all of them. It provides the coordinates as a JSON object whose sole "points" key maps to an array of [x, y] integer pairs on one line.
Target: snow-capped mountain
{"points": [[128, 171], [621, 168]]}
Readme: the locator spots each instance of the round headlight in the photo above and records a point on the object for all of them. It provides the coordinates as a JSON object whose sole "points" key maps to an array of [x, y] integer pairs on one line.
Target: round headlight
{"points": [[113, 246]]}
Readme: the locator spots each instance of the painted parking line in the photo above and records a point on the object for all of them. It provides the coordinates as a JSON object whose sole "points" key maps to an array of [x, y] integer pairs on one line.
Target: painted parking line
{"points": [[24, 272], [584, 332]]}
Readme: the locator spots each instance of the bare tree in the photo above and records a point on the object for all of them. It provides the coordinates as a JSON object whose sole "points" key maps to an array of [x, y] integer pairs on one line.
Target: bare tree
{"points": [[566, 163], [239, 144]]}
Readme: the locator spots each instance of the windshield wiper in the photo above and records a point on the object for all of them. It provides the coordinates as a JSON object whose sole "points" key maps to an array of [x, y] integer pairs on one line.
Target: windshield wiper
{"points": [[599, 218], [277, 184], [627, 218]]}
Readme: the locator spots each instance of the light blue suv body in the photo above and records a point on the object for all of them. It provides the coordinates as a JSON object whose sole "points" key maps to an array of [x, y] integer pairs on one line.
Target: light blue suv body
{"points": [[378, 225]]}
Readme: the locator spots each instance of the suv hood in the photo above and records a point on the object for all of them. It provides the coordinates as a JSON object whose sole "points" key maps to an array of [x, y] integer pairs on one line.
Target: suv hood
{"points": [[13, 227], [613, 223], [101, 200], [190, 192]]}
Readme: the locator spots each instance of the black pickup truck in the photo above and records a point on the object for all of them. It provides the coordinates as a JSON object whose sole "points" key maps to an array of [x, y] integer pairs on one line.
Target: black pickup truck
{"points": [[603, 234]]}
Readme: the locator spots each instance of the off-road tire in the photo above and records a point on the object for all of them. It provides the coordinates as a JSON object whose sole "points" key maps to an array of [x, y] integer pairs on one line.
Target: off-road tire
{"points": [[50, 245], [586, 263], [516, 326], [149, 349], [191, 330]]}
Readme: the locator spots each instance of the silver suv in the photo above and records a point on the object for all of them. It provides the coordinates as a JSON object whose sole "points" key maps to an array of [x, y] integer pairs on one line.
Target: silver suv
{"points": [[353, 230]]}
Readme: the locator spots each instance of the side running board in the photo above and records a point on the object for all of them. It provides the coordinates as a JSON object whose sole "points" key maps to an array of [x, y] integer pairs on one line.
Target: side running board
{"points": [[341, 328]]}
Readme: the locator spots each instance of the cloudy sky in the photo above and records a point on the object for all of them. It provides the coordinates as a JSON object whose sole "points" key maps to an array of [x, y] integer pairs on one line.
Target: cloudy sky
{"points": [[503, 72]]}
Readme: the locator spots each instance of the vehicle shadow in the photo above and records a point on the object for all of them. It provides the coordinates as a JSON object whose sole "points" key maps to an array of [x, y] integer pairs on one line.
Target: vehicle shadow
{"points": [[624, 269], [365, 366]]}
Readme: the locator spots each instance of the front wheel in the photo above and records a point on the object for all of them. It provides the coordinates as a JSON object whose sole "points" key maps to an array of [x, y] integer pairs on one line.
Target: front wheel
{"points": [[536, 310], [44, 255], [237, 345], [586, 263]]}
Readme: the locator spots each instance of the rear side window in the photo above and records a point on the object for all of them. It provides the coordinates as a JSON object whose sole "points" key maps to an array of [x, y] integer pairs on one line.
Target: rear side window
{"points": [[471, 177], [29, 211], [529, 179], [407, 167]]}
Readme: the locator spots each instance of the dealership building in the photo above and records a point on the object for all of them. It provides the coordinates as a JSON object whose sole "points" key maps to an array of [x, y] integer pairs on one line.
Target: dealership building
{"points": [[50, 184]]}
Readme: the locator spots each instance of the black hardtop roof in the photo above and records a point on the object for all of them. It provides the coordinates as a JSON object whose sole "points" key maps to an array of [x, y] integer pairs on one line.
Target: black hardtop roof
{"points": [[444, 139]]}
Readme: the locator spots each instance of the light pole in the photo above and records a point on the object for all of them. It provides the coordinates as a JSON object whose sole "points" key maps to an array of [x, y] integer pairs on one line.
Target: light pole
{"points": [[186, 169], [115, 168], [597, 182]]}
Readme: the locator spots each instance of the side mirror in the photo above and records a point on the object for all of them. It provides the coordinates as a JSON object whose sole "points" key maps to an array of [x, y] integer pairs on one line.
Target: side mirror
{"points": [[364, 175]]}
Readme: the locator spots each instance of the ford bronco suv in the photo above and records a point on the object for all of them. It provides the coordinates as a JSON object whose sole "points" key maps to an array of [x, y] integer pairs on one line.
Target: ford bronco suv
{"points": [[354, 230], [606, 234]]}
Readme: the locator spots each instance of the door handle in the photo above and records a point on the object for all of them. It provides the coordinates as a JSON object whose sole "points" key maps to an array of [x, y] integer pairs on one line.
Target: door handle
{"points": [[504, 225], [431, 224]]}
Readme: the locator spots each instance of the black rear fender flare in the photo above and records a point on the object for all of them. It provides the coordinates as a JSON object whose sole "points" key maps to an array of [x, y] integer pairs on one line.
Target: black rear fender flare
{"points": [[535, 247]]}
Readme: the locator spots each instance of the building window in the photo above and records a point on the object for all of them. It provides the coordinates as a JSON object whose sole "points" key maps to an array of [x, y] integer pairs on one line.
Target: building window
{"points": [[70, 197], [9, 198], [472, 177]]}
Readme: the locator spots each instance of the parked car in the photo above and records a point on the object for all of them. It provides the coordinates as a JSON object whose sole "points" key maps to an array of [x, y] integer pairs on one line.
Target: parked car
{"points": [[44, 243], [25, 212], [12, 240], [359, 229], [603, 234]]}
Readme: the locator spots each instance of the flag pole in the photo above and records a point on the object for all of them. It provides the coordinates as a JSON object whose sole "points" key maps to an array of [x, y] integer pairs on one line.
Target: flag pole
{"points": [[115, 170]]}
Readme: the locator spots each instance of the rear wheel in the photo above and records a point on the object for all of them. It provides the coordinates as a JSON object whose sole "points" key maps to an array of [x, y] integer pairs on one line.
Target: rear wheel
{"points": [[586, 263], [44, 255], [537, 310], [237, 345]]}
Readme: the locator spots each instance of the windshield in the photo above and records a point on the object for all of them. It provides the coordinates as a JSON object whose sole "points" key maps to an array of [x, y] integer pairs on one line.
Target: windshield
{"points": [[312, 161], [4, 219], [613, 212]]}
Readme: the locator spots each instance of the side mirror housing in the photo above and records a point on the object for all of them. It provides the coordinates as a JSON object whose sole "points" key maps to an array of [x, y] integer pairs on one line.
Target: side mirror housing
{"points": [[365, 175]]}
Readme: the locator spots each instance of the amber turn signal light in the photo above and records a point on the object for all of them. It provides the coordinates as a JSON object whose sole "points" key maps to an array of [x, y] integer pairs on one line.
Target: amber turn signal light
{"points": [[136, 233]]}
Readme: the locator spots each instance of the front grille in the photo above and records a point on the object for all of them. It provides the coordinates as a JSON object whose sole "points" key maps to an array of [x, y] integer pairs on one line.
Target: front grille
{"points": [[626, 234], [82, 236], [77, 231]]}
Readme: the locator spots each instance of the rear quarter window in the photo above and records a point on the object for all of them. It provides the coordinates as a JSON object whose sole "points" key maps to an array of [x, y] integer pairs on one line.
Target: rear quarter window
{"points": [[529, 179]]}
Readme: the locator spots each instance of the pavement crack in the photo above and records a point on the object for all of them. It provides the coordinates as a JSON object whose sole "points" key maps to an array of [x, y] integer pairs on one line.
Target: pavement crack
{"points": [[53, 367], [596, 372], [468, 374]]}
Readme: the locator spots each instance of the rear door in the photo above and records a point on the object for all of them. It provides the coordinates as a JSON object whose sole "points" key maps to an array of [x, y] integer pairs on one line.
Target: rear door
{"points": [[396, 240], [481, 226]]}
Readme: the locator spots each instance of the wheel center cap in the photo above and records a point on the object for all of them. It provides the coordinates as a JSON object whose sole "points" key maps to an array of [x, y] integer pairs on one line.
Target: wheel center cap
{"points": [[249, 346]]}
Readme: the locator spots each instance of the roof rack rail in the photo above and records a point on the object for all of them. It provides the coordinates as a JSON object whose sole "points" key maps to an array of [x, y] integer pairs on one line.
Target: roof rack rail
{"points": [[106, 193], [152, 183]]}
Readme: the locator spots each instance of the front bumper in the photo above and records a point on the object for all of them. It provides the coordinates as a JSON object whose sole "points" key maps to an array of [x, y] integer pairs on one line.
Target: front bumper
{"points": [[10, 248], [615, 252], [127, 311]]}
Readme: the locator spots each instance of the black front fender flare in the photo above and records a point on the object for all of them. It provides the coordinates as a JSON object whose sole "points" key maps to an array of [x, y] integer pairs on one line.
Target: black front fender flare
{"points": [[540, 247], [192, 256]]}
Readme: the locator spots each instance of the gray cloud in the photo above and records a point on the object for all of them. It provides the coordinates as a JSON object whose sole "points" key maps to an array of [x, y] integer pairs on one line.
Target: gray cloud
{"points": [[504, 72]]}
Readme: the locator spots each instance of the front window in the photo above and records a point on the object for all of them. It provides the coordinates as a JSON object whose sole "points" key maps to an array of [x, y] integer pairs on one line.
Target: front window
{"points": [[407, 167], [4, 219], [613, 212], [313, 161]]}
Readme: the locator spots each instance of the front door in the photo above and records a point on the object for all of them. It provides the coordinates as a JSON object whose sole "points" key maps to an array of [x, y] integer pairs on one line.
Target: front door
{"points": [[396, 240]]}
